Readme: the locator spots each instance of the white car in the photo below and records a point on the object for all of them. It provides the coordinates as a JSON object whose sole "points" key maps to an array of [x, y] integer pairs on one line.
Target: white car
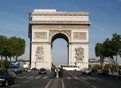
{"points": [[28, 70]]}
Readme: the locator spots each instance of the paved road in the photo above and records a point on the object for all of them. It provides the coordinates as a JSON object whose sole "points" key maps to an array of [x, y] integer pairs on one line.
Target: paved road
{"points": [[70, 80]]}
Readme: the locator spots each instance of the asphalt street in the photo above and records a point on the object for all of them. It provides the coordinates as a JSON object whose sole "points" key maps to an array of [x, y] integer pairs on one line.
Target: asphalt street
{"points": [[71, 79]]}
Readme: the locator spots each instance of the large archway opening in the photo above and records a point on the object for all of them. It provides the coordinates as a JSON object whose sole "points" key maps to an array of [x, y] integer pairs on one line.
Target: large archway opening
{"points": [[60, 49]]}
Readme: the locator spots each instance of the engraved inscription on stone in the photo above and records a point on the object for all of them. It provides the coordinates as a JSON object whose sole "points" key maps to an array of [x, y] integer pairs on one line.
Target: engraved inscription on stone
{"points": [[39, 53], [40, 35], [80, 35], [79, 54]]}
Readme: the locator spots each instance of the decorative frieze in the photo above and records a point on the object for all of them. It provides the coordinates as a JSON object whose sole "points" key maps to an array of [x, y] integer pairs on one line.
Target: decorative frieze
{"points": [[79, 35], [59, 27], [79, 54], [40, 35]]}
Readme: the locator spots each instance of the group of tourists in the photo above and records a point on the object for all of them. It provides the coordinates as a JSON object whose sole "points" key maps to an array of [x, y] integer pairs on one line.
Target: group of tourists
{"points": [[56, 72]]}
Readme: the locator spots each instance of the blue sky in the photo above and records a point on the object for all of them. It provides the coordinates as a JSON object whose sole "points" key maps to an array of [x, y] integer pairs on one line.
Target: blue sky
{"points": [[105, 17]]}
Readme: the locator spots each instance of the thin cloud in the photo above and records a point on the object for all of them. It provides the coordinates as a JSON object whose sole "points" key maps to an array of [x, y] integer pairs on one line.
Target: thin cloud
{"points": [[100, 28]]}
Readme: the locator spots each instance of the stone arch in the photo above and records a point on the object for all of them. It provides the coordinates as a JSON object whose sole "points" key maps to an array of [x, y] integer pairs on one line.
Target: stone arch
{"points": [[65, 34], [47, 25], [60, 35]]}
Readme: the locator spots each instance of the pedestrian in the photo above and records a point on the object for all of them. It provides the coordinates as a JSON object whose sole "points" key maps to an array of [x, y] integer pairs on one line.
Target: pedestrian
{"points": [[52, 73], [61, 72], [119, 73]]}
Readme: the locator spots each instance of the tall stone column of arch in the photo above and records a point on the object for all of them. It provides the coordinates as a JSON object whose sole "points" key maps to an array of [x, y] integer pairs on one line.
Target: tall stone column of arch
{"points": [[45, 25]]}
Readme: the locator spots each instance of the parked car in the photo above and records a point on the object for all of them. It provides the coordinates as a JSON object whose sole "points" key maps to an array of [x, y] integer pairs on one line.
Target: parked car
{"points": [[28, 70], [88, 71], [7, 77], [34, 68], [42, 71]]}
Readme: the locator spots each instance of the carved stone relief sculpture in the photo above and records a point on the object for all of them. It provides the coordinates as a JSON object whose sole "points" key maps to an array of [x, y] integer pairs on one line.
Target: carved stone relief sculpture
{"points": [[79, 54], [39, 53], [79, 36], [40, 35]]}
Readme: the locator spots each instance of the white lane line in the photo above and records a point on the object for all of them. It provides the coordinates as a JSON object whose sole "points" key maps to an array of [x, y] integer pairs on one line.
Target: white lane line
{"points": [[68, 77], [63, 84], [37, 77], [48, 84], [14, 85]]}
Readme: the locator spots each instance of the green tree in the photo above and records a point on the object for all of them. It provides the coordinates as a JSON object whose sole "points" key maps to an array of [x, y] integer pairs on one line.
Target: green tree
{"points": [[116, 46], [2, 44], [99, 52], [17, 46]]}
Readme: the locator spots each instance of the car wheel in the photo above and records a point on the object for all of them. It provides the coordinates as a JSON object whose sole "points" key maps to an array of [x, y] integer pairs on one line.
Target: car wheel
{"points": [[6, 83]]}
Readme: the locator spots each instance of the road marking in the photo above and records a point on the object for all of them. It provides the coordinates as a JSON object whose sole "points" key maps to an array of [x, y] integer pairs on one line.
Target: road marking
{"points": [[93, 86], [45, 77], [83, 78], [76, 77], [68, 77], [48, 84], [86, 82], [22, 77], [14, 85], [63, 84], [30, 77], [25, 81], [37, 77], [91, 78]]}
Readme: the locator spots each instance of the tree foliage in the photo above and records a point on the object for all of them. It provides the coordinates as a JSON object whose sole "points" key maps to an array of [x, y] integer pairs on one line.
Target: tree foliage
{"points": [[11, 47], [109, 48]]}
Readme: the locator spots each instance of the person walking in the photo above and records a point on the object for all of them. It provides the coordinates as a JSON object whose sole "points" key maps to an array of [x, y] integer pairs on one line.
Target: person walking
{"points": [[52, 73], [61, 72]]}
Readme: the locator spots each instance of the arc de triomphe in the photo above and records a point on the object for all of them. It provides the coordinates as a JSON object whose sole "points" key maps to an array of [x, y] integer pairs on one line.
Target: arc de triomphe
{"points": [[46, 25]]}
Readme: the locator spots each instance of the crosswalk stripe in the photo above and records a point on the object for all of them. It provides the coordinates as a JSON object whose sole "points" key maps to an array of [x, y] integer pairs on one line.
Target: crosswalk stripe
{"points": [[45, 77], [76, 77], [83, 78], [21, 77], [30, 77], [91, 78], [37, 77], [68, 77]]}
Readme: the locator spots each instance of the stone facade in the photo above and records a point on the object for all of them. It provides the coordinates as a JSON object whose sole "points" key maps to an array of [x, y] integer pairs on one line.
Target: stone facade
{"points": [[44, 25]]}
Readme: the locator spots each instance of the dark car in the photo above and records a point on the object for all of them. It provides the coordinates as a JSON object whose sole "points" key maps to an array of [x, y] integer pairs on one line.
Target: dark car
{"points": [[7, 77], [42, 71], [34, 68]]}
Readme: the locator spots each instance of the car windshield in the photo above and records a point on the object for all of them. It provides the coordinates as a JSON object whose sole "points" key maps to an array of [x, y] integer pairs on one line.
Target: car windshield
{"points": [[3, 72]]}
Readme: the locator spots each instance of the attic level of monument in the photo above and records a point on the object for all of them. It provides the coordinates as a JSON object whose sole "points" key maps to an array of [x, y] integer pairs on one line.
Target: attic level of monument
{"points": [[46, 25], [54, 12], [54, 17]]}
